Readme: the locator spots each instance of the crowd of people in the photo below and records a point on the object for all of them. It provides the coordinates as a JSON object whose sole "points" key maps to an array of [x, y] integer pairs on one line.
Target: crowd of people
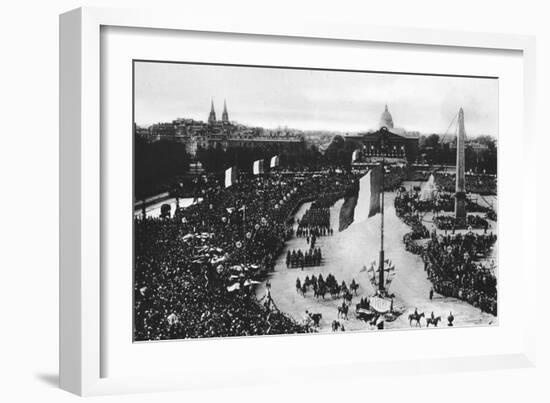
{"points": [[405, 209], [195, 271], [441, 202], [314, 222], [393, 177], [475, 183], [299, 258], [452, 264], [484, 184], [452, 261], [448, 222]]}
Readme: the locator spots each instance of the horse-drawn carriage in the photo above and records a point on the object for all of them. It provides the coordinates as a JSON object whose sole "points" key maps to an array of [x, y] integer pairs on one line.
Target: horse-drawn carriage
{"points": [[377, 309], [364, 314]]}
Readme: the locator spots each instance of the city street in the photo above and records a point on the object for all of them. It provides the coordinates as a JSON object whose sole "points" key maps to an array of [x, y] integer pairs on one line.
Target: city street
{"points": [[344, 254]]}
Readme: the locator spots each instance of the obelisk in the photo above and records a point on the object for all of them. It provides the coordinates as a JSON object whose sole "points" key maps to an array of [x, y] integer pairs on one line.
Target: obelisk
{"points": [[460, 194]]}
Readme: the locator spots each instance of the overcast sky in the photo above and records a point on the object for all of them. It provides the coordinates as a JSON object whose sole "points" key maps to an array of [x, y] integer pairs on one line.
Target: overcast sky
{"points": [[313, 100]]}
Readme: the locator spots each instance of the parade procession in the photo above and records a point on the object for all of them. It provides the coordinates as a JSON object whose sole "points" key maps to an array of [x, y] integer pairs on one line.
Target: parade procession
{"points": [[240, 230]]}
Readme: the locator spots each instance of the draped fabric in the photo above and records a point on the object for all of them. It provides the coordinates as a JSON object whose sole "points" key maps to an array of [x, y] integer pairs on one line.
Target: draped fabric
{"points": [[365, 202]]}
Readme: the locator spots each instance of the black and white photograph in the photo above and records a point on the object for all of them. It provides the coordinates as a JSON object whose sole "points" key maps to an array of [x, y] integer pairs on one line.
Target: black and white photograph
{"points": [[272, 200]]}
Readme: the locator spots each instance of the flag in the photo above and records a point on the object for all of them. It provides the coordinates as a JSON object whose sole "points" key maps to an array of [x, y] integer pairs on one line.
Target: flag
{"points": [[365, 202], [274, 161], [251, 282], [258, 167], [233, 287], [230, 176], [354, 156]]}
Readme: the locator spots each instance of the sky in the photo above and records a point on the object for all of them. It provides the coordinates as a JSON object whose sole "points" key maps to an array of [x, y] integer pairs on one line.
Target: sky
{"points": [[313, 100]]}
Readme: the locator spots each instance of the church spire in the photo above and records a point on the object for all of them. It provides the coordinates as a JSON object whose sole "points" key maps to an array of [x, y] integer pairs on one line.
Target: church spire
{"points": [[225, 116], [212, 116]]}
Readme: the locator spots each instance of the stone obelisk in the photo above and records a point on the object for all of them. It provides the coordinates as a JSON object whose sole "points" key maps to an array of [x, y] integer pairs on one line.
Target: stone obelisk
{"points": [[460, 195]]}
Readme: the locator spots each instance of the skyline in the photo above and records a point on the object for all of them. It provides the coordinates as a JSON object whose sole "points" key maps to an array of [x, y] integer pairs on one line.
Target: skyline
{"points": [[313, 100]]}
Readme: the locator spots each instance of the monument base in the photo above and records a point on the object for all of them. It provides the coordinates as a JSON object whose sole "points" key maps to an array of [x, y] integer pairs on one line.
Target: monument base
{"points": [[460, 209]]}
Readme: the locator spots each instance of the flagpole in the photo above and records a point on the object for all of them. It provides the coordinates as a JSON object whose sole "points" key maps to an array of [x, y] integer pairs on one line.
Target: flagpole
{"points": [[381, 262], [244, 232]]}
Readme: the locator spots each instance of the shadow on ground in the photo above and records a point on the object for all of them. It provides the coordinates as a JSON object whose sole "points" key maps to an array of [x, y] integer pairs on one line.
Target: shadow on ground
{"points": [[49, 379]]}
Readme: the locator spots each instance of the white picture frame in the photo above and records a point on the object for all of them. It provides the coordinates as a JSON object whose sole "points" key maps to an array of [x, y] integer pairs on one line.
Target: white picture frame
{"points": [[81, 173]]}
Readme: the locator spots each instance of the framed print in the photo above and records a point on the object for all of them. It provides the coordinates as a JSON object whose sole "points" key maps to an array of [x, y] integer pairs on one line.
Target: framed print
{"points": [[235, 193]]}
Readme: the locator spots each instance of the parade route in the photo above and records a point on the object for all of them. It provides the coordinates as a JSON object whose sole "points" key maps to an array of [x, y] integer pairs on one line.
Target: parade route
{"points": [[344, 254]]}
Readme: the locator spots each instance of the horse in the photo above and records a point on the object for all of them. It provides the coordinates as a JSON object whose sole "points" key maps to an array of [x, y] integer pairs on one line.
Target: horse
{"points": [[335, 291], [434, 321], [314, 281], [304, 290], [416, 317], [298, 285], [354, 286], [343, 311], [320, 291], [348, 297], [335, 325], [343, 287], [316, 318]]}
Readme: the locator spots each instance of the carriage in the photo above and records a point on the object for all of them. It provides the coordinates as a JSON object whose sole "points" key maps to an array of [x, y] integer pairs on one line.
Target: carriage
{"points": [[364, 314]]}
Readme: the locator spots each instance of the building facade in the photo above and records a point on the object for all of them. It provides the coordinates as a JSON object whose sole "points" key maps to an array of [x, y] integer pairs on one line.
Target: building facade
{"points": [[395, 145], [219, 133]]}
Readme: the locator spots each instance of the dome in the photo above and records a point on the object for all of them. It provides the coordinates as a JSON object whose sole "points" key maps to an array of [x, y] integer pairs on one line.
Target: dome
{"points": [[386, 120]]}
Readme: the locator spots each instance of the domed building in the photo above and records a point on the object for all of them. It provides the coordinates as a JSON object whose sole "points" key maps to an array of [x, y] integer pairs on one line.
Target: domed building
{"points": [[399, 146], [386, 119]]}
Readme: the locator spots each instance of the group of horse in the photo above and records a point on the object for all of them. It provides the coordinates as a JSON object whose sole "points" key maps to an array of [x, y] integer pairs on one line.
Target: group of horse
{"points": [[322, 287], [433, 320], [315, 320], [329, 285]]}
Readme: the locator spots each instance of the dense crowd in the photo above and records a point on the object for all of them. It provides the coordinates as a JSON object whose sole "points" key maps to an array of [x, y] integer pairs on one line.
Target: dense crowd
{"points": [[451, 261], [475, 183], [442, 201], [452, 266], [448, 222], [195, 271], [326, 201], [393, 176], [404, 208], [315, 221], [484, 184]]}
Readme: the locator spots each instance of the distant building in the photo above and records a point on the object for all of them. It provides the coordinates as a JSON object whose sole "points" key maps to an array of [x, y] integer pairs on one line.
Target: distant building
{"points": [[222, 133], [141, 132], [212, 115], [225, 115], [161, 131], [399, 146]]}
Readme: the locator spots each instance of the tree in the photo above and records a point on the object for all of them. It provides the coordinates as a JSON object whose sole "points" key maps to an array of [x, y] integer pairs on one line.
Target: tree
{"points": [[156, 164], [432, 141]]}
